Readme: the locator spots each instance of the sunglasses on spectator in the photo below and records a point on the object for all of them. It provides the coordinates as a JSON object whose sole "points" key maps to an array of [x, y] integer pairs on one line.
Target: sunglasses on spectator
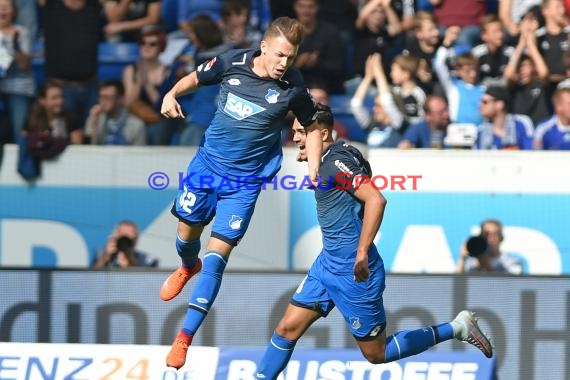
{"points": [[149, 43]]}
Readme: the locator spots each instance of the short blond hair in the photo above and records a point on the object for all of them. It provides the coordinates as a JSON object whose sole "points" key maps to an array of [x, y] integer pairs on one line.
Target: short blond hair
{"points": [[467, 59], [423, 16], [287, 27], [407, 63], [489, 19]]}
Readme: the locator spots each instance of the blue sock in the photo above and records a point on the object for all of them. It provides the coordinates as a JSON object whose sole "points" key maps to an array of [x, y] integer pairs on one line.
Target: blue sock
{"points": [[412, 342], [188, 251], [276, 357], [205, 291]]}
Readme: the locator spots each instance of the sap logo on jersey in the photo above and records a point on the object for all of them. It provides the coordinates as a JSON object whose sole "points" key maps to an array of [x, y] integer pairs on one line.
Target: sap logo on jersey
{"points": [[239, 108]]}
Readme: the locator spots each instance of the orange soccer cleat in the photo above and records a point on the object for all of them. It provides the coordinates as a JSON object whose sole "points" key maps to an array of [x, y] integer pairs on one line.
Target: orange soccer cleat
{"points": [[176, 281], [177, 355]]}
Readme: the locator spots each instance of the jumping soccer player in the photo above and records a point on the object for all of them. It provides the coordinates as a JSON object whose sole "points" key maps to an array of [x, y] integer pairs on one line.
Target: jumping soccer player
{"points": [[349, 272], [258, 88]]}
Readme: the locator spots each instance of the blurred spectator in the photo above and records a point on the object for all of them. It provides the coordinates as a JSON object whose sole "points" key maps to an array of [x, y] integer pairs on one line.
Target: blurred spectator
{"points": [[376, 26], [50, 127], [493, 55], [554, 134], [144, 83], [27, 16], [280, 8], [566, 82], [553, 38], [126, 18], [71, 32], [320, 94], [527, 77], [320, 56], [511, 12], [408, 96], [206, 43], [342, 14], [463, 92], [235, 24], [386, 120], [423, 44], [464, 14], [431, 132], [121, 249], [189, 9], [501, 129], [259, 12], [110, 123], [17, 86], [483, 253], [405, 9]]}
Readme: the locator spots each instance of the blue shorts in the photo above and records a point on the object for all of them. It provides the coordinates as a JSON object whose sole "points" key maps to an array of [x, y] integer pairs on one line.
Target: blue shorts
{"points": [[360, 303], [206, 194]]}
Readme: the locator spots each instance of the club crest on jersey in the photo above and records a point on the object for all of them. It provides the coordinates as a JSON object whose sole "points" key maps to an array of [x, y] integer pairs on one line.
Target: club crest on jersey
{"points": [[239, 108], [235, 222], [271, 96]]}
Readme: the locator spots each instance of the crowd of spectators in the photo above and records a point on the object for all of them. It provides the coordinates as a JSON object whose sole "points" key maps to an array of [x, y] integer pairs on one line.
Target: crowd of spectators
{"points": [[413, 74]]}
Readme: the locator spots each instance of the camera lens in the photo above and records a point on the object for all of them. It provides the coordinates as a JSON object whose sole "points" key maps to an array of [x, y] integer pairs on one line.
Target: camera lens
{"points": [[476, 246], [125, 243]]}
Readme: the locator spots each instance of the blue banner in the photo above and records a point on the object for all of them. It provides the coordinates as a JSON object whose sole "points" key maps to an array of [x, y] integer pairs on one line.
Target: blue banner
{"points": [[423, 232], [348, 364]]}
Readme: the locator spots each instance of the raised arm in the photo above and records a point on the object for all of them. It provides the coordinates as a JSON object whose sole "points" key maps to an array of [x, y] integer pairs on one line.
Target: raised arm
{"points": [[365, 11], [386, 97], [357, 108], [510, 73], [394, 24], [533, 52], [314, 148], [439, 64], [116, 11]]}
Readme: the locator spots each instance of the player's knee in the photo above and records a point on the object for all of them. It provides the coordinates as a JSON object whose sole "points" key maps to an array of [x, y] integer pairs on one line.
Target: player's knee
{"points": [[286, 329], [283, 328], [374, 357]]}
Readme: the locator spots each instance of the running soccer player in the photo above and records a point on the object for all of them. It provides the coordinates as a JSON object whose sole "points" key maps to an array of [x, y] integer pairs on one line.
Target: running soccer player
{"points": [[243, 143], [349, 272]]}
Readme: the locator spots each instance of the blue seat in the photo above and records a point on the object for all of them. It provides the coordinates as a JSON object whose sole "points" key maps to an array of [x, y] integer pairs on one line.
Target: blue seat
{"points": [[113, 57], [118, 52], [169, 15]]}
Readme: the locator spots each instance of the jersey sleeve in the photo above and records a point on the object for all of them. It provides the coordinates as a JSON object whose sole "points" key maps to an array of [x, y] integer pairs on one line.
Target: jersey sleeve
{"points": [[211, 72], [303, 106], [346, 170], [525, 131]]}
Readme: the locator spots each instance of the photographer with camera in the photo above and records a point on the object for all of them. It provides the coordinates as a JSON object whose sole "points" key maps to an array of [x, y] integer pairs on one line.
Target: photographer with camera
{"points": [[120, 250], [482, 253]]}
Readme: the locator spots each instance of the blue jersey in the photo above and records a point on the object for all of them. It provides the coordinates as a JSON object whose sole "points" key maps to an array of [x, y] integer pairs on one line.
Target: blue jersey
{"points": [[517, 135], [552, 135], [244, 138], [339, 212]]}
